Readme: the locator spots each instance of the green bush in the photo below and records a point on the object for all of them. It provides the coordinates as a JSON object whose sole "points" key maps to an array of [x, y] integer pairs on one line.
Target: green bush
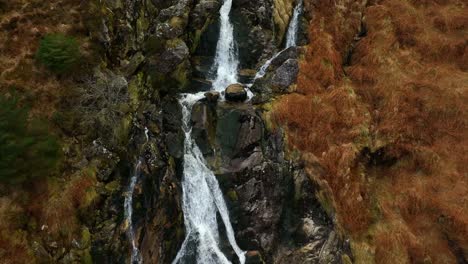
{"points": [[58, 52], [27, 150]]}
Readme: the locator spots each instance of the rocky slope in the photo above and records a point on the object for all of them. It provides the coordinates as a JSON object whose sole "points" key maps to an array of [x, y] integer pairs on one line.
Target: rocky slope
{"points": [[304, 166]]}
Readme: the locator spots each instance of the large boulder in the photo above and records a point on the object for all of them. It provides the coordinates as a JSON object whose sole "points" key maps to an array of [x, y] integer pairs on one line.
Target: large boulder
{"points": [[279, 77], [236, 93], [285, 75]]}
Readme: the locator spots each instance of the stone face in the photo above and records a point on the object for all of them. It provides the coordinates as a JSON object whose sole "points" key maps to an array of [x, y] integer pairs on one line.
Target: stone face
{"points": [[279, 77], [271, 200], [254, 30], [285, 75], [203, 120], [174, 55], [236, 93]]}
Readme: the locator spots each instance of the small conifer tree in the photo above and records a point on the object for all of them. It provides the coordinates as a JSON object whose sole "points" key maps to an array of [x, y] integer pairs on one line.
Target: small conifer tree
{"points": [[27, 150], [58, 52]]}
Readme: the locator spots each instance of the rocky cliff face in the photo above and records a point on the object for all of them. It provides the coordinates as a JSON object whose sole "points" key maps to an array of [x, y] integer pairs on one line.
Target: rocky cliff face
{"points": [[157, 47], [272, 201], [121, 108]]}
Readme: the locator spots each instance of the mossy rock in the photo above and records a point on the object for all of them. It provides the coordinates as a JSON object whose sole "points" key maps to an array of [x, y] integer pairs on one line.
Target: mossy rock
{"points": [[112, 186], [154, 44], [232, 194]]}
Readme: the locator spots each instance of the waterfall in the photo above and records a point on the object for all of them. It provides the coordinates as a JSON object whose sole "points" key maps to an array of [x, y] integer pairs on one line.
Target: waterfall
{"points": [[291, 41], [291, 37], [135, 257], [225, 62], [202, 200], [128, 206]]}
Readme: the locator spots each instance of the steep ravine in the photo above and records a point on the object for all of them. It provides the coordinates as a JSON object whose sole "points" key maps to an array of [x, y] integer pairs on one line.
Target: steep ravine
{"points": [[122, 124], [273, 210]]}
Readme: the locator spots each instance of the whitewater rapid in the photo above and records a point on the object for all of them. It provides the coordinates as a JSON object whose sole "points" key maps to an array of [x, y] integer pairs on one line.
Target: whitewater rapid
{"points": [[202, 201], [202, 198]]}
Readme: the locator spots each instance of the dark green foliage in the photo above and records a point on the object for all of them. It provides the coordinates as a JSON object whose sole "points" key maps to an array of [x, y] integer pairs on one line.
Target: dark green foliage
{"points": [[58, 52], [27, 150]]}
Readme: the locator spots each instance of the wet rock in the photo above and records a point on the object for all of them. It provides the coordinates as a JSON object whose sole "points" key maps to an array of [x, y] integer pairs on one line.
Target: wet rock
{"points": [[247, 75], [196, 85], [289, 53], [174, 55], [279, 77], [203, 128], [163, 3], [238, 131], [253, 257], [236, 93], [254, 30], [212, 96], [285, 76], [171, 123], [202, 11]]}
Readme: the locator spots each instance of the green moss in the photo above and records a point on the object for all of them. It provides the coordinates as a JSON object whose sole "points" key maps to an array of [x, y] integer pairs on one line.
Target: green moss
{"points": [[142, 25], [232, 194], [85, 237], [89, 198], [154, 44], [180, 75], [122, 131], [134, 89], [326, 203], [345, 259], [112, 186], [196, 36], [87, 258]]}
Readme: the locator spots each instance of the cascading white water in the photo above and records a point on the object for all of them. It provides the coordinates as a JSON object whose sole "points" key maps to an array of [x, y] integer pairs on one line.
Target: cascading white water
{"points": [[128, 204], [202, 197], [202, 200], [291, 37], [225, 62]]}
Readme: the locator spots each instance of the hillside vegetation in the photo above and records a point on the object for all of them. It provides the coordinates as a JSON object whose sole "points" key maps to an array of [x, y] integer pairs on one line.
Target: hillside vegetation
{"points": [[41, 202], [380, 116]]}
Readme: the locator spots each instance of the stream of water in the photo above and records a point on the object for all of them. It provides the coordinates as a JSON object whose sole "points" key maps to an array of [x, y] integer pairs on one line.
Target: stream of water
{"points": [[202, 201], [226, 62], [293, 29], [128, 204], [202, 198]]}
